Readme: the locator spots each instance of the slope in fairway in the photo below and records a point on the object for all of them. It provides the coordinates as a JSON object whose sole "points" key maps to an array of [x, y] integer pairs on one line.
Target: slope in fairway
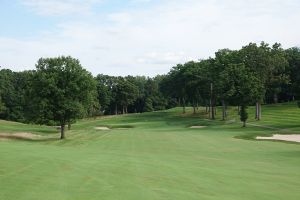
{"points": [[154, 156]]}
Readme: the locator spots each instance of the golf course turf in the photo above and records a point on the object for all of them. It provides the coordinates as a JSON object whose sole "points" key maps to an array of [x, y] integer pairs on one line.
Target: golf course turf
{"points": [[153, 156]]}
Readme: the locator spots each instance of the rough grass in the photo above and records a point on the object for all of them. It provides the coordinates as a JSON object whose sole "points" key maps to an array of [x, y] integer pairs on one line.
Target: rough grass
{"points": [[155, 156]]}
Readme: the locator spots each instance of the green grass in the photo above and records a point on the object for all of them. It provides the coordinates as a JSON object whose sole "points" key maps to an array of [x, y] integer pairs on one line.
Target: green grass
{"points": [[155, 156]]}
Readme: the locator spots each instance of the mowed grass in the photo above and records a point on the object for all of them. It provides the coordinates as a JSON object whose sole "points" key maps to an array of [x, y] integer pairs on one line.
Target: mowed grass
{"points": [[155, 156]]}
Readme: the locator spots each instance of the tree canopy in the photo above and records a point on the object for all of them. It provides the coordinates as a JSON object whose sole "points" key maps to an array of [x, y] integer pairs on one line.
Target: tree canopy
{"points": [[62, 91]]}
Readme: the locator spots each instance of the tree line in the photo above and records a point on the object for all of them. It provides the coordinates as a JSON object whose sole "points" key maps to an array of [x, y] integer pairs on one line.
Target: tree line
{"points": [[253, 75], [60, 90]]}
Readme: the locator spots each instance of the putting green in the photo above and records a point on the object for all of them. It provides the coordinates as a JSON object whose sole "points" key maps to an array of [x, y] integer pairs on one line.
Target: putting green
{"points": [[155, 156]]}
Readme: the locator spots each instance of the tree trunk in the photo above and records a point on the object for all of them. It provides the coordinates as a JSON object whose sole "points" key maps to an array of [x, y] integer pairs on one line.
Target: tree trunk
{"points": [[275, 98], [212, 110], [256, 110], [238, 108], [194, 109], [116, 109], [259, 111], [183, 105], [244, 123], [62, 131], [126, 110], [69, 125], [224, 110], [123, 110]]}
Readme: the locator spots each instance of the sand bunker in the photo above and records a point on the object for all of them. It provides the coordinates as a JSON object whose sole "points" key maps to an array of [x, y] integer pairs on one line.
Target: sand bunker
{"points": [[20, 135], [198, 127], [290, 138], [102, 128]]}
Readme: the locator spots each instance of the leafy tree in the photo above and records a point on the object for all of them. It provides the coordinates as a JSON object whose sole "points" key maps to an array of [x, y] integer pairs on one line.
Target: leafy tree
{"points": [[2, 106], [126, 93], [14, 87], [243, 115], [257, 59], [222, 60], [62, 91], [140, 102], [148, 105], [192, 77], [242, 84], [104, 85], [174, 84], [153, 93], [293, 71], [276, 73]]}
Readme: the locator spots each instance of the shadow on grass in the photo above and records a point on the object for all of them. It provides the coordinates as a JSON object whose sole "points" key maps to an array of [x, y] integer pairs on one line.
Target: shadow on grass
{"points": [[32, 138]]}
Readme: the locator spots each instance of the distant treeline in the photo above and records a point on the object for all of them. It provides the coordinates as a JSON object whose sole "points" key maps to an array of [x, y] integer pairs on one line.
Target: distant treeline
{"points": [[253, 75]]}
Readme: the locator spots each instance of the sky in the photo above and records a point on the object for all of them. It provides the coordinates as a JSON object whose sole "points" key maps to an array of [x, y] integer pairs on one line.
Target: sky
{"points": [[139, 37]]}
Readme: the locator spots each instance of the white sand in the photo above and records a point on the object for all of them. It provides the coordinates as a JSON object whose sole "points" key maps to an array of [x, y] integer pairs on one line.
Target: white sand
{"points": [[198, 127], [291, 138], [102, 128]]}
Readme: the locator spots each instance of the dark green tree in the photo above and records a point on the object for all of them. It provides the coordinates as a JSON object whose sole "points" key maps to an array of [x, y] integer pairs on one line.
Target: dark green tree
{"points": [[104, 86], [244, 115], [62, 91], [125, 94], [293, 57], [242, 86], [276, 73]]}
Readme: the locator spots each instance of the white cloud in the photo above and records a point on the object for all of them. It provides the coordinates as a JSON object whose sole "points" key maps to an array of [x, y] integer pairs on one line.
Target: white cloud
{"points": [[163, 58], [60, 7], [151, 41], [120, 18]]}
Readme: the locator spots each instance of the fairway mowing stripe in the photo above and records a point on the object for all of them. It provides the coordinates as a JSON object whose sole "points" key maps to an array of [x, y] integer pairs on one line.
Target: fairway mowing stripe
{"points": [[102, 136], [21, 169], [98, 139], [263, 126], [273, 128]]}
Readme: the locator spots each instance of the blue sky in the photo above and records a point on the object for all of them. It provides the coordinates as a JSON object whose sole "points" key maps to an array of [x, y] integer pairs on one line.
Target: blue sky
{"points": [[139, 37]]}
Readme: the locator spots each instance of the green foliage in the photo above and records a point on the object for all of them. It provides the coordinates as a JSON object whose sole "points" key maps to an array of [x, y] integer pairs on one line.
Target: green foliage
{"points": [[2, 106], [242, 86], [62, 91], [244, 114], [293, 57], [134, 94], [13, 93], [255, 73], [148, 105], [125, 92]]}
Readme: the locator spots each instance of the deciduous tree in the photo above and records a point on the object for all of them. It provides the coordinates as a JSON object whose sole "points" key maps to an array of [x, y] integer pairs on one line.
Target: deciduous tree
{"points": [[62, 91]]}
